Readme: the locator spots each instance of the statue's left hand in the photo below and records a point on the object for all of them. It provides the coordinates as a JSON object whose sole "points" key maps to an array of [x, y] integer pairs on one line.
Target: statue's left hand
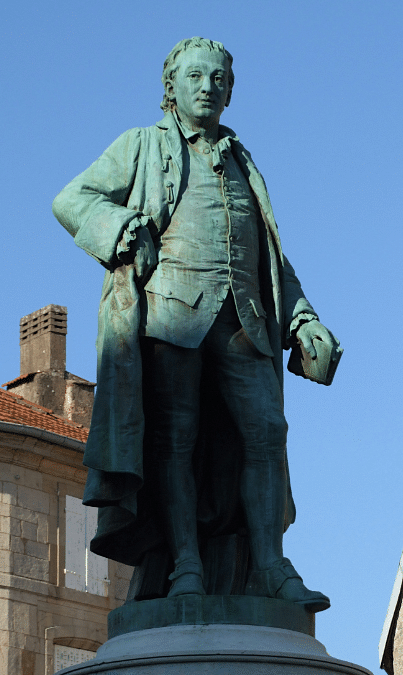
{"points": [[313, 329]]}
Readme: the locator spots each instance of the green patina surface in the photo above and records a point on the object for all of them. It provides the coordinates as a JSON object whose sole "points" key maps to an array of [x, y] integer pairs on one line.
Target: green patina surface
{"points": [[128, 210]]}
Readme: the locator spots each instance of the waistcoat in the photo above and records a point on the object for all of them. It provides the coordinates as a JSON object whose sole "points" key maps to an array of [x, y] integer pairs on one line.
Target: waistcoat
{"points": [[210, 246]]}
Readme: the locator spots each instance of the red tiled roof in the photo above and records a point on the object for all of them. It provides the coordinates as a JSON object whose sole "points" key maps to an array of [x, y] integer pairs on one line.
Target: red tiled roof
{"points": [[17, 410], [20, 379]]}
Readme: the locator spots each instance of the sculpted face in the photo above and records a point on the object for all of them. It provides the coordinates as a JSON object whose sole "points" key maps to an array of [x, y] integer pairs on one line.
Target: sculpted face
{"points": [[200, 86]]}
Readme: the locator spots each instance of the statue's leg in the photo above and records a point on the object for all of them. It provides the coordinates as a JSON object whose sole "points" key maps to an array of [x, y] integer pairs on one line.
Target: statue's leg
{"points": [[251, 390], [175, 373], [252, 393], [263, 429]]}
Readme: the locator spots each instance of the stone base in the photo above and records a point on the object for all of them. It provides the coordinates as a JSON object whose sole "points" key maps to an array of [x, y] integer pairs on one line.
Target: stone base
{"points": [[200, 610], [212, 635], [214, 650]]}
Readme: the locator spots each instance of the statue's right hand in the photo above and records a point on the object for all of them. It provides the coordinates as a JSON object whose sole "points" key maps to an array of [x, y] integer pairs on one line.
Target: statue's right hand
{"points": [[145, 257]]}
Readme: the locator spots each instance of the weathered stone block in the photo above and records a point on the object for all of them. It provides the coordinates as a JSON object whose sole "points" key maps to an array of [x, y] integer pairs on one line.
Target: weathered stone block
{"points": [[9, 471], [27, 458], [34, 500], [25, 618], [6, 454], [124, 571], [12, 661], [4, 619], [34, 644], [121, 589], [34, 568], [10, 526], [27, 662], [21, 584], [11, 638], [4, 541], [29, 530], [39, 664], [37, 550], [9, 493], [24, 514], [4, 509], [17, 545], [5, 636], [6, 562], [43, 529]]}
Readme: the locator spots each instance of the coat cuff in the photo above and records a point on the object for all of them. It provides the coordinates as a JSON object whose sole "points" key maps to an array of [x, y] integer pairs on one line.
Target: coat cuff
{"points": [[129, 235], [295, 324]]}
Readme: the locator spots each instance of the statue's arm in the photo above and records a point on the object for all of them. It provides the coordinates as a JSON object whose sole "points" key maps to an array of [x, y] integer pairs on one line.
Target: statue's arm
{"points": [[92, 207], [297, 309], [301, 321]]}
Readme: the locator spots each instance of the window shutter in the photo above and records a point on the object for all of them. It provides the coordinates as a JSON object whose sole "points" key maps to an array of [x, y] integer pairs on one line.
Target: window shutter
{"points": [[75, 544], [84, 571], [96, 566]]}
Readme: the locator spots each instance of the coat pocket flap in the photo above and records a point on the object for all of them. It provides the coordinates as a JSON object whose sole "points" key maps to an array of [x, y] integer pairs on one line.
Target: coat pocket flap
{"points": [[175, 290]]}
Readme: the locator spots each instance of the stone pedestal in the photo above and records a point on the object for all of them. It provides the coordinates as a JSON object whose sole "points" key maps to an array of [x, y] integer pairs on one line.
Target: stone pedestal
{"points": [[206, 636]]}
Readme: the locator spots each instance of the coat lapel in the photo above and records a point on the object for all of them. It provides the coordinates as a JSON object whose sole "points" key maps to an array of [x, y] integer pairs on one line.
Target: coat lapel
{"points": [[258, 186], [174, 151]]}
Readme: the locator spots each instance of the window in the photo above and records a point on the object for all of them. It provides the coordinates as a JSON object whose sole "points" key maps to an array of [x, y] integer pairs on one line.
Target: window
{"points": [[84, 571], [69, 656]]}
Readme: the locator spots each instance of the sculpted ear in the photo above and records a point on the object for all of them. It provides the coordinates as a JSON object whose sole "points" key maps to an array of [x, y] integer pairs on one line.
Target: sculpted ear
{"points": [[170, 90]]}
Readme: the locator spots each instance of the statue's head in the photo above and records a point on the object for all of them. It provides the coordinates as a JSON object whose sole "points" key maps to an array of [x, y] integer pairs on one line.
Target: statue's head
{"points": [[171, 66]]}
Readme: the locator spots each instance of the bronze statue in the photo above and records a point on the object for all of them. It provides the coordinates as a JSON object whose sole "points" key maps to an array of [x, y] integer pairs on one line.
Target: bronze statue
{"points": [[187, 447]]}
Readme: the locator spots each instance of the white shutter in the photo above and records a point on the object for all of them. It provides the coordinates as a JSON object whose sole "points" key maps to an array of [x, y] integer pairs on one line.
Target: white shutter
{"points": [[96, 566], [84, 570], [75, 544]]}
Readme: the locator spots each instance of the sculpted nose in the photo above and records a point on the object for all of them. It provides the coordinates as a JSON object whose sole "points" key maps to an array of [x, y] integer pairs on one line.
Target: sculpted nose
{"points": [[206, 84]]}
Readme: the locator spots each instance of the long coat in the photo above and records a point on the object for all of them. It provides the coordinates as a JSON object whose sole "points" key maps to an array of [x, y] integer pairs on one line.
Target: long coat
{"points": [[140, 175]]}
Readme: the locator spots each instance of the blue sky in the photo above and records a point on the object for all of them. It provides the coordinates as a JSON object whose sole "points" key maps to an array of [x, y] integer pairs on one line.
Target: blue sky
{"points": [[318, 102]]}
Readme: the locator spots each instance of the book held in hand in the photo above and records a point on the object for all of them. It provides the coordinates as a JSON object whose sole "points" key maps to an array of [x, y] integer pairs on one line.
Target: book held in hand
{"points": [[321, 369]]}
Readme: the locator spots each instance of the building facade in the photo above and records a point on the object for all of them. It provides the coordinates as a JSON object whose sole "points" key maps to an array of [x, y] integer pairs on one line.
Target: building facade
{"points": [[55, 594]]}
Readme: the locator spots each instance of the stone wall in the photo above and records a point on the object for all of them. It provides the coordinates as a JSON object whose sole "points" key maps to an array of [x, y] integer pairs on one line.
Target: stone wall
{"points": [[37, 611], [398, 645]]}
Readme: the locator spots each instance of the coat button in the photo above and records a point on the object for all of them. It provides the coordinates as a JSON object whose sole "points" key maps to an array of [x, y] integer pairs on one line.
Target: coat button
{"points": [[206, 151]]}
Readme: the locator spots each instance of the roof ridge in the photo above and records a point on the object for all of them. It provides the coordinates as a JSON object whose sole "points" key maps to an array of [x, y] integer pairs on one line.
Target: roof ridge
{"points": [[20, 377]]}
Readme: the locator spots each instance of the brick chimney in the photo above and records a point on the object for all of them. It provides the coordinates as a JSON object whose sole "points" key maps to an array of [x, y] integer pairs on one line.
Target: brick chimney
{"points": [[43, 377]]}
